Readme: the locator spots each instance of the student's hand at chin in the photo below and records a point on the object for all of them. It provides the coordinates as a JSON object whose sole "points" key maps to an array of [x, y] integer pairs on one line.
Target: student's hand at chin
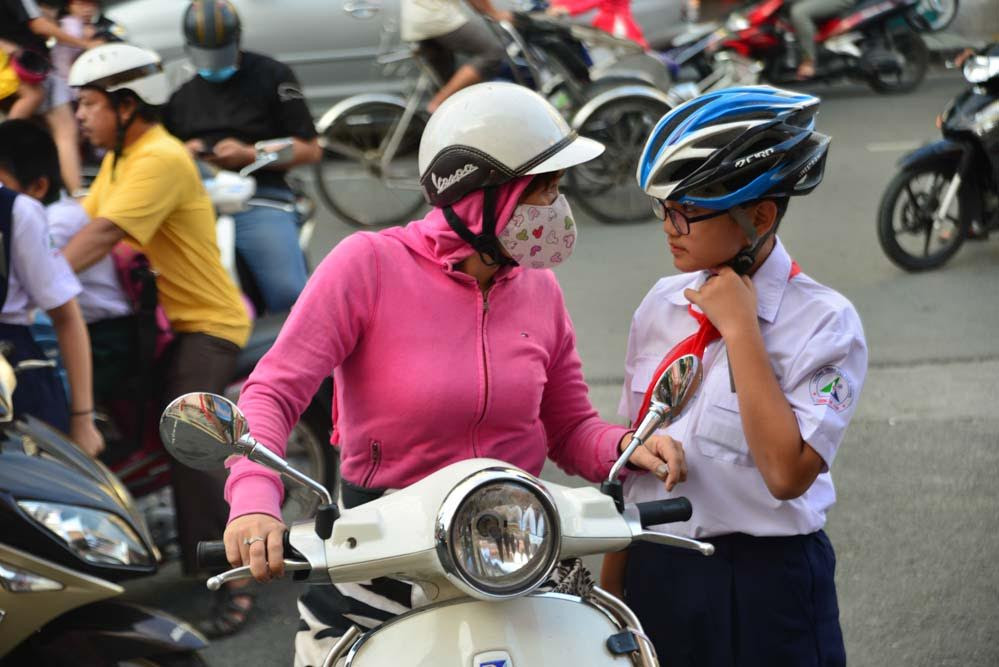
{"points": [[86, 436], [729, 301]]}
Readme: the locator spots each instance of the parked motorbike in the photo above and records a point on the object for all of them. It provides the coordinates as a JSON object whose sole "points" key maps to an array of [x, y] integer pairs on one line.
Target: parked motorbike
{"points": [[876, 42], [481, 538], [69, 531], [948, 191]]}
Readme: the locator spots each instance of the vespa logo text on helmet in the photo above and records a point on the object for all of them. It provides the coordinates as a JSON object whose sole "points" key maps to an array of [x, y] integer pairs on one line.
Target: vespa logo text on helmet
{"points": [[742, 162], [443, 184]]}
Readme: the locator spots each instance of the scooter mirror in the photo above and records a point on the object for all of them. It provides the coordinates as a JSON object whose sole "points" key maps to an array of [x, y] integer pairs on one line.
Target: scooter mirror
{"points": [[282, 149], [671, 394], [202, 430], [677, 386]]}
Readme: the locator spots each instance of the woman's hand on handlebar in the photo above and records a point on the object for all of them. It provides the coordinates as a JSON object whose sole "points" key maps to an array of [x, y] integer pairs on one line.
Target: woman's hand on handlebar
{"points": [[662, 456], [264, 556]]}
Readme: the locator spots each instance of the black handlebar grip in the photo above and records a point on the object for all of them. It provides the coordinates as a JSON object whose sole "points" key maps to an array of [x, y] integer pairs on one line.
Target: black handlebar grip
{"points": [[211, 556], [656, 512]]}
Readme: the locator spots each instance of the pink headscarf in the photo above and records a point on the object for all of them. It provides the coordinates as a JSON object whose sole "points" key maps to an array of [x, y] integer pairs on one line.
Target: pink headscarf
{"points": [[433, 238]]}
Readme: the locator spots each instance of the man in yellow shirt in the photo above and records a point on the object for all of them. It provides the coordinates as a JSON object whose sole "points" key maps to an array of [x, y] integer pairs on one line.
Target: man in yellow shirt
{"points": [[148, 193]]}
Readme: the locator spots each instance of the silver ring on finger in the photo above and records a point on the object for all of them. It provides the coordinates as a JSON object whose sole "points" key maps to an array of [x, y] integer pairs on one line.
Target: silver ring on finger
{"points": [[662, 471], [248, 541]]}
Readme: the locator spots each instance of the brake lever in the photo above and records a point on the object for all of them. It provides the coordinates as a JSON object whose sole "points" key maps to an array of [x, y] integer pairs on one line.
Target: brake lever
{"points": [[235, 574]]}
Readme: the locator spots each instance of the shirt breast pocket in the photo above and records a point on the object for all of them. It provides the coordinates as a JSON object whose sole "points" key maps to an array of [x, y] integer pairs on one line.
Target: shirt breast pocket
{"points": [[719, 433]]}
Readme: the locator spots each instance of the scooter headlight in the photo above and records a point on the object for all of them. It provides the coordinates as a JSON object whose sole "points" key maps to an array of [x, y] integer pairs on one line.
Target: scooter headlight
{"points": [[95, 536], [498, 534]]}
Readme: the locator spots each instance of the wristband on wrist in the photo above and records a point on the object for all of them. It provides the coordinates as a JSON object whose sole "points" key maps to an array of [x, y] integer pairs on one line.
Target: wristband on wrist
{"points": [[628, 464], [81, 413]]}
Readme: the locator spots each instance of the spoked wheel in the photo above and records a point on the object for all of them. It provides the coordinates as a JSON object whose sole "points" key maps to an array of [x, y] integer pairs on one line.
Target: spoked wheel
{"points": [[605, 187], [908, 233], [914, 59], [350, 177], [310, 452]]}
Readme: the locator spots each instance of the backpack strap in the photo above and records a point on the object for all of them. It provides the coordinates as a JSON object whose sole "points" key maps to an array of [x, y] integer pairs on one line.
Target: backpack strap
{"points": [[7, 197]]}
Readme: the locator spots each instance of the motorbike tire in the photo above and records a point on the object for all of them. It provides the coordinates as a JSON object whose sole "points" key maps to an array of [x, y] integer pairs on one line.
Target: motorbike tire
{"points": [[925, 18], [605, 186], [364, 130], [309, 451], [916, 54], [888, 234]]}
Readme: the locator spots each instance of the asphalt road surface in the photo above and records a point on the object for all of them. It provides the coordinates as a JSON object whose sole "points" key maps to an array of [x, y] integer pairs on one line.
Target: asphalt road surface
{"points": [[916, 526]]}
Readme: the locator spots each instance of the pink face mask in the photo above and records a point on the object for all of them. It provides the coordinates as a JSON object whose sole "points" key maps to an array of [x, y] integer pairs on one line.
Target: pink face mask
{"points": [[540, 237]]}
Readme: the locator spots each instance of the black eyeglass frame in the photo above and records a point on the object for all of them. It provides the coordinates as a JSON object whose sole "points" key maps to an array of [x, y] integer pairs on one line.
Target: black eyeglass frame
{"points": [[661, 211]]}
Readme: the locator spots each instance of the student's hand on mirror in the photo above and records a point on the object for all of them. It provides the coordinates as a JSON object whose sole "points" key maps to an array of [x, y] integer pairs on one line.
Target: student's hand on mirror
{"points": [[256, 540], [729, 301], [662, 456], [83, 432]]}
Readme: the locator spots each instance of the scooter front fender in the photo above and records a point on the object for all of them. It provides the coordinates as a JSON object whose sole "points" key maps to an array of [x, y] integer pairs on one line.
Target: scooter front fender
{"points": [[945, 149], [613, 95]]}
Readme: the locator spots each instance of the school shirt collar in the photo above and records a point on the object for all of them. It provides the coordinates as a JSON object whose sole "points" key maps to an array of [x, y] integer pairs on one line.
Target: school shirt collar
{"points": [[770, 281]]}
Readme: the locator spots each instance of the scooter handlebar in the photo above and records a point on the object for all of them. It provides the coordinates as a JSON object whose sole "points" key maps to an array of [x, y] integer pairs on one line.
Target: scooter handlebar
{"points": [[211, 556], [655, 512]]}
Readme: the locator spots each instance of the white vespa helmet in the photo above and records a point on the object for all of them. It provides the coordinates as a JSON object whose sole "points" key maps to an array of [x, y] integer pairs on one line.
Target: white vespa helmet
{"points": [[491, 133], [119, 66]]}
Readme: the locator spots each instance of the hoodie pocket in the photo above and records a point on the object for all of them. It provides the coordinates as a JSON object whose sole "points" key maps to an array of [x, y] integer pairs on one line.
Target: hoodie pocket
{"points": [[375, 460]]}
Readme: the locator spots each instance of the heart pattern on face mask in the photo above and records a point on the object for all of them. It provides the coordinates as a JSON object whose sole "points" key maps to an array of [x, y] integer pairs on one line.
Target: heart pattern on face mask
{"points": [[540, 237]]}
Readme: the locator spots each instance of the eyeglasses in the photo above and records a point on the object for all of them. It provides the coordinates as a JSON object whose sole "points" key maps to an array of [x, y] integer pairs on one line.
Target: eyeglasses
{"points": [[680, 220]]}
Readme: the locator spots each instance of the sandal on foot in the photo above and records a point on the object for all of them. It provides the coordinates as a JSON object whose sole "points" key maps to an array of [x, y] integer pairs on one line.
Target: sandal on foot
{"points": [[228, 614]]}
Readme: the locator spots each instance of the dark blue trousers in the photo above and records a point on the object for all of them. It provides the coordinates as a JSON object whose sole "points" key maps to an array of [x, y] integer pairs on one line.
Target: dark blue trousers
{"points": [[40, 392], [758, 601]]}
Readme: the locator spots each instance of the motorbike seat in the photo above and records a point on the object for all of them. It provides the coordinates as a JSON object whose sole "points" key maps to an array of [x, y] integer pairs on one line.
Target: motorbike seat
{"points": [[265, 332]]}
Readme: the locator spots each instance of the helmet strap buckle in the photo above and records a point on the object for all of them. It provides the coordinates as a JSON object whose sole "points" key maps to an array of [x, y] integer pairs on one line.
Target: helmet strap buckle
{"points": [[743, 262]]}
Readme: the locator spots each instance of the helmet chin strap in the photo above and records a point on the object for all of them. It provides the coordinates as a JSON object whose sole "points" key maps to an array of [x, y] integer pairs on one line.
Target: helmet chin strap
{"points": [[486, 243], [119, 139], [746, 258]]}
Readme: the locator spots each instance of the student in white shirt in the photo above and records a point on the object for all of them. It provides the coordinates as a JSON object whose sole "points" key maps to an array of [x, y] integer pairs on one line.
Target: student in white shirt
{"points": [[36, 276], [443, 31], [784, 359]]}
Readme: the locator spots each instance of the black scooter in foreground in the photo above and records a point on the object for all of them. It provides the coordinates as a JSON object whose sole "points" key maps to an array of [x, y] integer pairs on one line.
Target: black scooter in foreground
{"points": [[69, 531]]}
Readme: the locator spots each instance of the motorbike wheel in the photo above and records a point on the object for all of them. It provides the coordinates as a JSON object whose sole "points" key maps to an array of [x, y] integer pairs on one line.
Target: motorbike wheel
{"points": [[309, 451], [349, 176], [906, 229], [170, 660], [915, 61], [605, 186], [933, 15]]}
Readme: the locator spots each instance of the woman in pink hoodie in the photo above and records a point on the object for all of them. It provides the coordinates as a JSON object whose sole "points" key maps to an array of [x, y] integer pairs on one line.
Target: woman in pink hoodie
{"points": [[446, 339]]}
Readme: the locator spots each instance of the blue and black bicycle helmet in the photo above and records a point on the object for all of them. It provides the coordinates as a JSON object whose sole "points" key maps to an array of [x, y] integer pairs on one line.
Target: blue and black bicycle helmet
{"points": [[733, 147]]}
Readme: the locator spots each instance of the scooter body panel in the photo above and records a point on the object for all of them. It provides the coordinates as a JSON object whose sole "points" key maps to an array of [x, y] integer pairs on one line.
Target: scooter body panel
{"points": [[24, 613], [472, 633]]}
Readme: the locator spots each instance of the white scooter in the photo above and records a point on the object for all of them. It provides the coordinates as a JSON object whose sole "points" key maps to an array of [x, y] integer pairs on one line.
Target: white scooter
{"points": [[233, 192], [481, 538]]}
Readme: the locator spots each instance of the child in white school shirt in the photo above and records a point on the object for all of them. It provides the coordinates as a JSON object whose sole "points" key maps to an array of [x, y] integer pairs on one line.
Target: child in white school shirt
{"points": [[37, 276], [784, 360]]}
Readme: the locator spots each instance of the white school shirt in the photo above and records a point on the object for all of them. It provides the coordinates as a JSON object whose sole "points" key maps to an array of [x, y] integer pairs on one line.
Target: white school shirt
{"points": [[102, 296], [426, 19], [816, 346], [39, 276]]}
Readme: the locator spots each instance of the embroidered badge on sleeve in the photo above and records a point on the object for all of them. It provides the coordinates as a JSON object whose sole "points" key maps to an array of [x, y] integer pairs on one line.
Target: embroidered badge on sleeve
{"points": [[830, 386]]}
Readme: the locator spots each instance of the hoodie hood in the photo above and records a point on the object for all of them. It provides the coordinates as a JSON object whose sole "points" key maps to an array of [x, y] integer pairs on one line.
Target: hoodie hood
{"points": [[434, 239]]}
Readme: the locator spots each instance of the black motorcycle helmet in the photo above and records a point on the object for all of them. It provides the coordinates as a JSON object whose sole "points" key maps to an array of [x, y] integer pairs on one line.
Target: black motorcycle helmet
{"points": [[211, 34]]}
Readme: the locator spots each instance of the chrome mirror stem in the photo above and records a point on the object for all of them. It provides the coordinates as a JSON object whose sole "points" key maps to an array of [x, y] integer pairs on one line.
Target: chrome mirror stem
{"points": [[258, 453]]}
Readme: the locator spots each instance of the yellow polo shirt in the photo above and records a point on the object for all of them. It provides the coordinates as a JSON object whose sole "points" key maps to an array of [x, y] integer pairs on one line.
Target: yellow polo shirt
{"points": [[157, 198]]}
